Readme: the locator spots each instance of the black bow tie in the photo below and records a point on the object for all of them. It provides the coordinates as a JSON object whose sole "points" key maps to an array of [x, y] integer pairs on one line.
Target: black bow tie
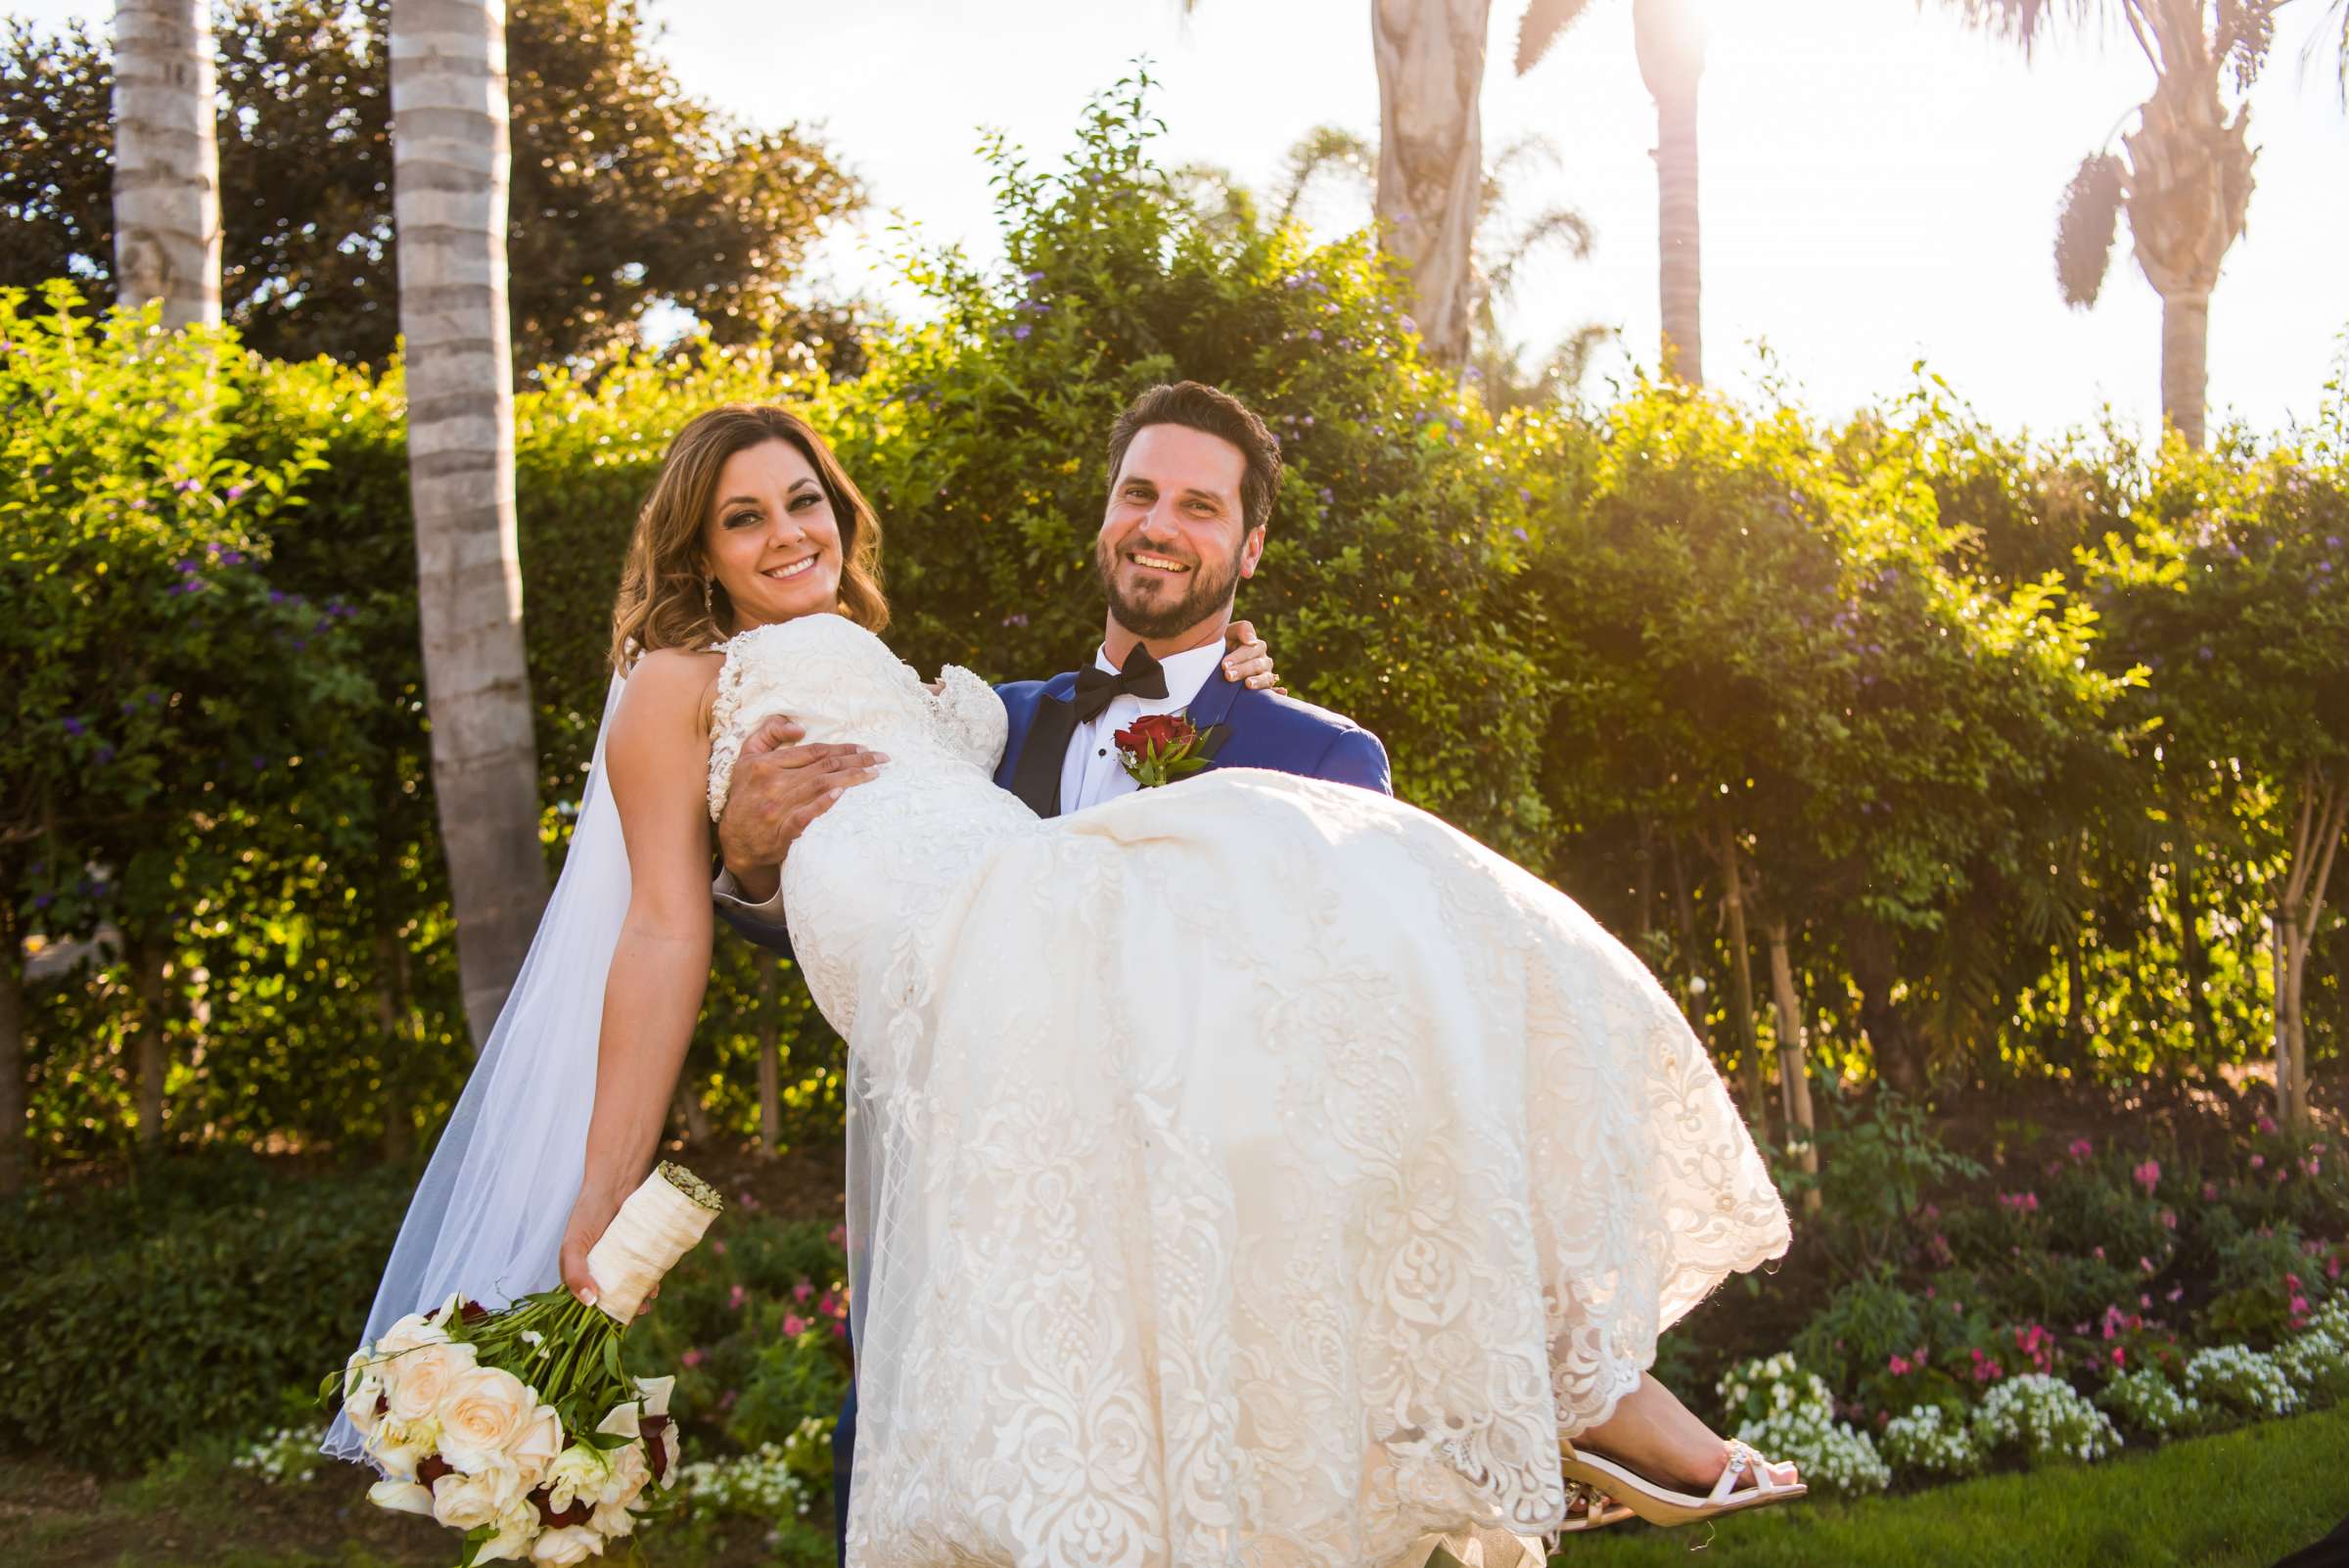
{"points": [[1143, 676]]}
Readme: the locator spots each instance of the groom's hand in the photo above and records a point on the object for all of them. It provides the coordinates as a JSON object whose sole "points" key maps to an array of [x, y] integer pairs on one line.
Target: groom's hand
{"points": [[778, 789]]}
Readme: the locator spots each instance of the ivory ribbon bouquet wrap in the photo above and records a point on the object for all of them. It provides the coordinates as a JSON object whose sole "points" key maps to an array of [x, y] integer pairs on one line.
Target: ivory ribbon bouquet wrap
{"points": [[521, 1426]]}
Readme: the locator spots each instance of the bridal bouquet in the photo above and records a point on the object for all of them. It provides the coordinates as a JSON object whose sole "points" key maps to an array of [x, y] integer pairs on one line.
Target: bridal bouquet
{"points": [[520, 1427]]}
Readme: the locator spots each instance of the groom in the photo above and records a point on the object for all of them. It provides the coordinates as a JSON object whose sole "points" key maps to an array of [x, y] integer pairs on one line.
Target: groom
{"points": [[1192, 478]]}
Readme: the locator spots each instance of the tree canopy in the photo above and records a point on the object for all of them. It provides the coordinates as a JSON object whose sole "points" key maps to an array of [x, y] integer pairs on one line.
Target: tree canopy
{"points": [[626, 192]]}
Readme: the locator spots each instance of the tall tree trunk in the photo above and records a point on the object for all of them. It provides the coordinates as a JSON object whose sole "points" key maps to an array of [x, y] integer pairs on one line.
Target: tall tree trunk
{"points": [[16, 1137], [149, 963], [688, 1108], [2075, 1000], [451, 163], [1643, 893], [2316, 830], [770, 1062], [1749, 1043], [1685, 908], [1794, 1072], [1670, 36], [396, 1020], [166, 161], [2184, 357], [1873, 954], [1431, 162], [2192, 947]]}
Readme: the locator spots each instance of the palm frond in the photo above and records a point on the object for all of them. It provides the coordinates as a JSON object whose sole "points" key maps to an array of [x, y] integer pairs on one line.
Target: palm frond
{"points": [[2025, 22], [2085, 227], [1324, 149], [1544, 22], [1559, 227], [2315, 45]]}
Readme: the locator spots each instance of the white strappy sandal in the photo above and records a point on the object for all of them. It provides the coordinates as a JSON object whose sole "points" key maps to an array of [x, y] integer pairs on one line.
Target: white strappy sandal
{"points": [[1747, 1481]]}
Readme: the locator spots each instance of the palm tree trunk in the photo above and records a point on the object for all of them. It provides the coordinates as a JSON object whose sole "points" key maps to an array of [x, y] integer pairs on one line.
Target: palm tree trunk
{"points": [[686, 1104], [16, 1137], [2184, 357], [770, 1062], [151, 1058], [451, 163], [1431, 69], [2322, 819], [1679, 270], [166, 161], [1794, 1073]]}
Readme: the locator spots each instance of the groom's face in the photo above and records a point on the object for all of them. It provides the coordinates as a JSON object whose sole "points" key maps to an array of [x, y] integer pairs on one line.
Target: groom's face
{"points": [[1174, 541]]}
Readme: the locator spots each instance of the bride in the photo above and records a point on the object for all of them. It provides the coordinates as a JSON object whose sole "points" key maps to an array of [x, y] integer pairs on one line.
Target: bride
{"points": [[1257, 1171]]}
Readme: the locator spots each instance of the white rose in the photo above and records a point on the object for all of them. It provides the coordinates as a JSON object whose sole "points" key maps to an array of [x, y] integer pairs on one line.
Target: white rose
{"points": [[416, 1380], [612, 1520], [361, 1388], [410, 1333], [578, 1471], [517, 1528], [481, 1412], [461, 1501], [630, 1471], [397, 1445], [559, 1548], [400, 1496], [534, 1447]]}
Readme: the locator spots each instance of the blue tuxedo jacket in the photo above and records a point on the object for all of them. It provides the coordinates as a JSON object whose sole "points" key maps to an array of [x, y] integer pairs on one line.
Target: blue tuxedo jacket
{"points": [[1240, 729]]}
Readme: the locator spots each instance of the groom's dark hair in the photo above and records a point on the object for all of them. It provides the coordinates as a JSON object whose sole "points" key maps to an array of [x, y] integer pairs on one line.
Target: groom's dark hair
{"points": [[1219, 414]]}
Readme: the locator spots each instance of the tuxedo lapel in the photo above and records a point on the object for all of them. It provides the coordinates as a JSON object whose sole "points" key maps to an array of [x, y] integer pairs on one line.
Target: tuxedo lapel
{"points": [[1210, 714], [1037, 778]]}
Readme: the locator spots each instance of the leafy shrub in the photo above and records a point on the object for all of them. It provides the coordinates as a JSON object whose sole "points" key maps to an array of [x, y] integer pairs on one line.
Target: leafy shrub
{"points": [[1930, 1441], [2043, 1418], [221, 1311], [1788, 1415], [2241, 1379]]}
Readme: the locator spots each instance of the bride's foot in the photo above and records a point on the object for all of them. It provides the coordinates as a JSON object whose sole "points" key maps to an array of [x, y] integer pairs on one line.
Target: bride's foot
{"points": [[1654, 1456]]}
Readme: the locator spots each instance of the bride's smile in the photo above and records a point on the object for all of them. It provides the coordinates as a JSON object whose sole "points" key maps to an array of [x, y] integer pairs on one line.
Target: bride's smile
{"points": [[772, 539]]}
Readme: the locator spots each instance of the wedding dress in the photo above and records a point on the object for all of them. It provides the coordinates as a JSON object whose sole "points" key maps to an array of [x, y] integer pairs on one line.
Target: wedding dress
{"points": [[1255, 1170]]}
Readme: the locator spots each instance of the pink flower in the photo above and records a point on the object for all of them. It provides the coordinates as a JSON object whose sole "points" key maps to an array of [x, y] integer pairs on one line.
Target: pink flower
{"points": [[2081, 1149], [2210, 1192], [2169, 1218], [2120, 1356], [725, 1400], [839, 1236], [840, 1329], [2147, 1175], [734, 1299], [2144, 1265], [693, 1357], [794, 1325], [802, 1291], [2099, 1255], [717, 1248], [1898, 1365], [2259, 1161], [2267, 1123], [2176, 1292]]}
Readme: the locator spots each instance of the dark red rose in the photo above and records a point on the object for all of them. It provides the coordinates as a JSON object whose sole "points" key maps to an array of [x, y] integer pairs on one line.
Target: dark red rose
{"points": [[473, 1312], [577, 1514], [1164, 731], [431, 1468], [652, 1426]]}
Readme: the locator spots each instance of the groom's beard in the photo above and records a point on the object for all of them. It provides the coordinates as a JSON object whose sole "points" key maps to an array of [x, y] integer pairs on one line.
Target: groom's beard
{"points": [[1165, 612]]}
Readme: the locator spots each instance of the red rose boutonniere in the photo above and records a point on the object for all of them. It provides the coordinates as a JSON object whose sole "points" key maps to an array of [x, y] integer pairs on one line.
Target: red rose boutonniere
{"points": [[1161, 747]]}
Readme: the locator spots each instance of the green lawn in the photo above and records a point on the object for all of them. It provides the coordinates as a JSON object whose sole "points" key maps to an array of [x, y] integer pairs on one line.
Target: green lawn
{"points": [[2238, 1500]]}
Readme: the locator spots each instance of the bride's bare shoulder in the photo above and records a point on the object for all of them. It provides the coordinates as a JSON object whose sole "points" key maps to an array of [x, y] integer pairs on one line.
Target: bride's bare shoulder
{"points": [[670, 686]]}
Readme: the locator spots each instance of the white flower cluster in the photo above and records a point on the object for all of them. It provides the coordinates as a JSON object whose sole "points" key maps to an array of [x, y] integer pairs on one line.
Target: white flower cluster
{"points": [[426, 1405], [2317, 1358], [1800, 1425], [2147, 1402], [761, 1484], [289, 1454], [2046, 1418], [1931, 1441], [2242, 1379]]}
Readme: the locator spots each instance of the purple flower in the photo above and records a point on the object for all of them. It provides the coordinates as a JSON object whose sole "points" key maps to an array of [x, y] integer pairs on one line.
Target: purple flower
{"points": [[1327, 495], [1520, 534], [1015, 620], [73, 726], [43, 901], [260, 765], [277, 596], [1035, 277], [1314, 335], [1021, 331], [185, 485], [232, 558], [106, 754], [236, 493]]}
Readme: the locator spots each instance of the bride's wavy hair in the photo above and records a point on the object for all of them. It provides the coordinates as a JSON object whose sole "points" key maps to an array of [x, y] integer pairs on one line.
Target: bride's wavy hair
{"points": [[662, 603]]}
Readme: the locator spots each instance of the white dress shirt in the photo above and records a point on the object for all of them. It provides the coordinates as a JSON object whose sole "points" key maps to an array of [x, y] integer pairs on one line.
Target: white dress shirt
{"points": [[1091, 772]]}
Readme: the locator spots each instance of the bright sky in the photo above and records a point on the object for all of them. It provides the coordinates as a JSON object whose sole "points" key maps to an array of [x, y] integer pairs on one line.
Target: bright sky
{"points": [[1878, 185]]}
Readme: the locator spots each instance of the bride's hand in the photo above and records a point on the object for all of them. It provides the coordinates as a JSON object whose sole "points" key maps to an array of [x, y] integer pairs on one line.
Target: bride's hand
{"points": [[590, 1217], [1249, 661]]}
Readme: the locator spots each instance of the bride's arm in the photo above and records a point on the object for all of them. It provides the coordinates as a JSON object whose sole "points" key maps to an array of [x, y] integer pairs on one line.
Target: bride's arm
{"points": [[657, 760]]}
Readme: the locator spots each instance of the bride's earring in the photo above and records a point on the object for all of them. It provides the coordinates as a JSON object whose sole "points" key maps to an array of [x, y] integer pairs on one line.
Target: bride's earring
{"points": [[710, 599]]}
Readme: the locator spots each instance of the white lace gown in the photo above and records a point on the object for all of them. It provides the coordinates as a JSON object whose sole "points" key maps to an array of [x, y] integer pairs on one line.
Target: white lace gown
{"points": [[1255, 1170]]}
